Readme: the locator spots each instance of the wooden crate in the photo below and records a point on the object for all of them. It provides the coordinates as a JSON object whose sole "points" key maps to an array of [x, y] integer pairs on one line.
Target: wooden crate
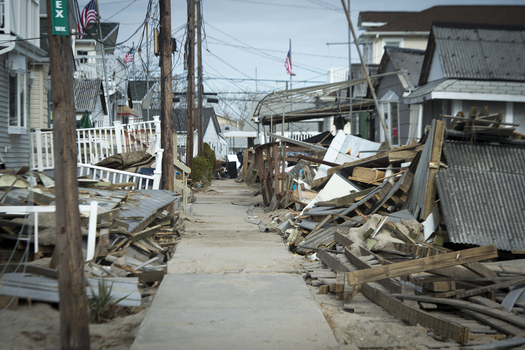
{"points": [[368, 174]]}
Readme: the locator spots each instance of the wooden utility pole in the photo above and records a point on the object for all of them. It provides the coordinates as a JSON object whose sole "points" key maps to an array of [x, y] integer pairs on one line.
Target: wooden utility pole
{"points": [[74, 320], [191, 83], [166, 99], [199, 77], [365, 70]]}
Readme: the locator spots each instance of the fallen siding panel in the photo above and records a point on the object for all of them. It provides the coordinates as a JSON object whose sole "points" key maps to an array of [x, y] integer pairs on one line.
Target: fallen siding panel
{"points": [[483, 207]]}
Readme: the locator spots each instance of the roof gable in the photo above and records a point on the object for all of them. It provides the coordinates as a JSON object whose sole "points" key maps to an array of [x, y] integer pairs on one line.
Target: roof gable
{"points": [[476, 52], [87, 93], [408, 61]]}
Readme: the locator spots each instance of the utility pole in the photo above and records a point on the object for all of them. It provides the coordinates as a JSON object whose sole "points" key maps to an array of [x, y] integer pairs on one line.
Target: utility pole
{"points": [[191, 83], [200, 126], [133, 60], [108, 103], [376, 102], [350, 88], [166, 98], [74, 320], [147, 71]]}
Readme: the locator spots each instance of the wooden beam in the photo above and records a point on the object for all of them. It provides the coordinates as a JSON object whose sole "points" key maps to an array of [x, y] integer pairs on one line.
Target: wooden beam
{"points": [[390, 285], [489, 288], [495, 323], [421, 265], [331, 262], [442, 327], [435, 157]]}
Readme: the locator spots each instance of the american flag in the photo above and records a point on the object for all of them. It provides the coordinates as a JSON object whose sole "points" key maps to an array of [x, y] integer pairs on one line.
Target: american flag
{"points": [[288, 63], [89, 15], [129, 56]]}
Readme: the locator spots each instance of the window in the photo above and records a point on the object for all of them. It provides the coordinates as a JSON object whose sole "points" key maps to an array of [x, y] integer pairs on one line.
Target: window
{"points": [[17, 102]]}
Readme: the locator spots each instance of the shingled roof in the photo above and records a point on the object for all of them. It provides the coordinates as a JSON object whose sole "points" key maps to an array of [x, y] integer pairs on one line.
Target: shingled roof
{"points": [[476, 52], [409, 61], [139, 88], [86, 92], [421, 21]]}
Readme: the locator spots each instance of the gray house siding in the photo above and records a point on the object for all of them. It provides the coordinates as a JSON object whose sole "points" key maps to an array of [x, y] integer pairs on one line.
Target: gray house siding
{"points": [[392, 83], [13, 148]]}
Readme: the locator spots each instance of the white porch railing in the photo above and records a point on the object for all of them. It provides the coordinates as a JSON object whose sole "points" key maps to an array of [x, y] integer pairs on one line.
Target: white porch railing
{"points": [[42, 150], [96, 144], [142, 182]]}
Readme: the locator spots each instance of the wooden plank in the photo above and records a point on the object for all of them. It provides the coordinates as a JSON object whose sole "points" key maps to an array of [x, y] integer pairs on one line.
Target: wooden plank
{"points": [[435, 157], [462, 304], [495, 323], [504, 344], [145, 233], [490, 288], [421, 265], [446, 329], [480, 269], [342, 239], [363, 266], [440, 326], [330, 261]]}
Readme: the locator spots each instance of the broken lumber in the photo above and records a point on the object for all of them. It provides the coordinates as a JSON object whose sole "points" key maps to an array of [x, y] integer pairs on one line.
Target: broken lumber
{"points": [[405, 312], [421, 265]]}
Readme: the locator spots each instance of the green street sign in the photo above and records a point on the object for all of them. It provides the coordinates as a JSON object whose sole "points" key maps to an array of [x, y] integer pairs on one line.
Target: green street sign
{"points": [[59, 17]]}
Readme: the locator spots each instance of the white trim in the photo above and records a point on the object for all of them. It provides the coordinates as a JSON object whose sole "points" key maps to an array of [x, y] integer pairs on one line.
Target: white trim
{"points": [[475, 96], [404, 34], [464, 96]]}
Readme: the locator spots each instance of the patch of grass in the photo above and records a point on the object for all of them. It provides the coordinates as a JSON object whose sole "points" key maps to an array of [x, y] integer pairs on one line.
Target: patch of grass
{"points": [[102, 307]]}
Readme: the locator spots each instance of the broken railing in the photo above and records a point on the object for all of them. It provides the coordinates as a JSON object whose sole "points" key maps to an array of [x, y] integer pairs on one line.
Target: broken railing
{"points": [[96, 144]]}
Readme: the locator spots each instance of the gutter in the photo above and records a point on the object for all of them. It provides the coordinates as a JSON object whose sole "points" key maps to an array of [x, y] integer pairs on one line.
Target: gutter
{"points": [[11, 46], [398, 33]]}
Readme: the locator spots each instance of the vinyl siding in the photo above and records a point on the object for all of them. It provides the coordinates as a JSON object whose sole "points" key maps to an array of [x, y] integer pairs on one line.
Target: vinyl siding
{"points": [[17, 154], [39, 97]]}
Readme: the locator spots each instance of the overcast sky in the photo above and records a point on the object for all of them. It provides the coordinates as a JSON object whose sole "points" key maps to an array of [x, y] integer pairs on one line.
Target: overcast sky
{"points": [[248, 36]]}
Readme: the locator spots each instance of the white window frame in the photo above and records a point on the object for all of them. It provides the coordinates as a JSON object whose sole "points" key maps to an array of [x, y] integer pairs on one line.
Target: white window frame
{"points": [[387, 40], [21, 108]]}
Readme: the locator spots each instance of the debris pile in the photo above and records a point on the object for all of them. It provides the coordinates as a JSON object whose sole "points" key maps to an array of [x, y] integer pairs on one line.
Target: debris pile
{"points": [[128, 237], [422, 230]]}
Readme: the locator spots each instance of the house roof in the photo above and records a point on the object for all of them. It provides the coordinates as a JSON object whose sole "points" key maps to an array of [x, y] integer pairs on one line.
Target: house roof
{"points": [[481, 194], [421, 21], [109, 32], [139, 89], [453, 89], [409, 61], [87, 91], [476, 52], [361, 90], [180, 118]]}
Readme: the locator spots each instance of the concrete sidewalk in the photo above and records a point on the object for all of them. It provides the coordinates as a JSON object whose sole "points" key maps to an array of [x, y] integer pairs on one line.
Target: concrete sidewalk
{"points": [[231, 286]]}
